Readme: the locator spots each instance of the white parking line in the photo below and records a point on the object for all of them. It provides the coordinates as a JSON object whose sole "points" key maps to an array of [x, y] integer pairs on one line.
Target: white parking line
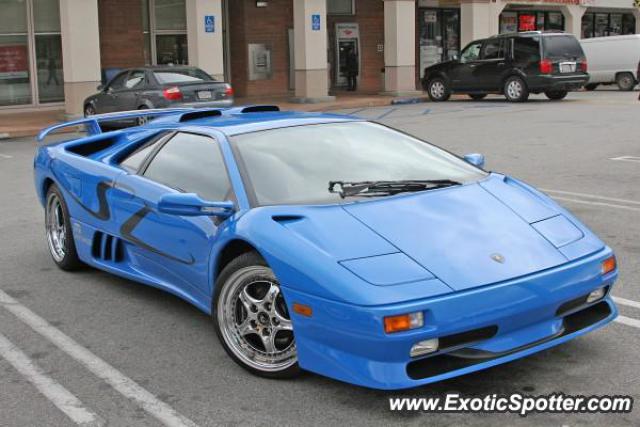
{"points": [[609, 205], [116, 379], [628, 321], [628, 302], [591, 196], [627, 158], [5, 156], [57, 394]]}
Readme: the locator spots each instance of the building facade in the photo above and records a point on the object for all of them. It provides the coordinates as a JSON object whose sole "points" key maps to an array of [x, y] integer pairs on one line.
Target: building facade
{"points": [[54, 53]]}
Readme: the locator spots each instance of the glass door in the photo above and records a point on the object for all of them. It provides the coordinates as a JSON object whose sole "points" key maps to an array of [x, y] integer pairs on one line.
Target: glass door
{"points": [[439, 36], [30, 53]]}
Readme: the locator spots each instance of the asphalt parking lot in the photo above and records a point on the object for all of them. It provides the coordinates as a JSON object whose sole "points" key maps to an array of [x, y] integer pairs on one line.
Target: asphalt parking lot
{"points": [[123, 354]]}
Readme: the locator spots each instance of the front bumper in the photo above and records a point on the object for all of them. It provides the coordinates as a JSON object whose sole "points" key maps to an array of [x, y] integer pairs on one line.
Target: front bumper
{"points": [[483, 327], [558, 82]]}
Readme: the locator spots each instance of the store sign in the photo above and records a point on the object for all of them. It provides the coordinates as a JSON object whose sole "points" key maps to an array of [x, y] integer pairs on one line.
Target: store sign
{"points": [[347, 30], [527, 22], [315, 22], [14, 62], [561, 2], [209, 24]]}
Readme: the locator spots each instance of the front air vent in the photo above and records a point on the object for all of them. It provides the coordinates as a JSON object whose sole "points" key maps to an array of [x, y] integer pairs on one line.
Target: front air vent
{"points": [[106, 247]]}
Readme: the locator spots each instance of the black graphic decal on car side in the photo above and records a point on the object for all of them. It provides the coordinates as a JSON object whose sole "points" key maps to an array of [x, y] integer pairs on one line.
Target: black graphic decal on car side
{"points": [[130, 224]]}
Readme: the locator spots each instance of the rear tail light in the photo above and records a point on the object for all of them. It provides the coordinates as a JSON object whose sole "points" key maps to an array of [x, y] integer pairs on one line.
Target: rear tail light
{"points": [[546, 66], [228, 91], [172, 93], [583, 66]]}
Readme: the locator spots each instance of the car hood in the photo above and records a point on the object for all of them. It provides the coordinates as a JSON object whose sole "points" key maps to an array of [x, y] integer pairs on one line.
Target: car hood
{"points": [[476, 234]]}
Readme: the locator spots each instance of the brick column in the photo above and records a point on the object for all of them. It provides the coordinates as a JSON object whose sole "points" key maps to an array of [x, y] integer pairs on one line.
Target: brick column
{"points": [[573, 19], [399, 46], [206, 47], [310, 47], [80, 52]]}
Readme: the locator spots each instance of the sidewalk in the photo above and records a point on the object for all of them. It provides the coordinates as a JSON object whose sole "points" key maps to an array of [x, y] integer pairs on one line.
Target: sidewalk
{"points": [[20, 124]]}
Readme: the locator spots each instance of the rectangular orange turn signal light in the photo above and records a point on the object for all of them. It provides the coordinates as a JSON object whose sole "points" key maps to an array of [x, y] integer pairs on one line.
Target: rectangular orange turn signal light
{"points": [[303, 310]]}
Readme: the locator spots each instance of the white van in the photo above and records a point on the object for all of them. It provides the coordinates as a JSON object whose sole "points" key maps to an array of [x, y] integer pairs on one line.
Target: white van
{"points": [[612, 60]]}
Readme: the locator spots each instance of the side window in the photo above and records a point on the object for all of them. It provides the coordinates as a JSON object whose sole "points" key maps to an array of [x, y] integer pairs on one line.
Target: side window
{"points": [[193, 164], [471, 53], [136, 78], [494, 49], [526, 49], [118, 82], [134, 160]]}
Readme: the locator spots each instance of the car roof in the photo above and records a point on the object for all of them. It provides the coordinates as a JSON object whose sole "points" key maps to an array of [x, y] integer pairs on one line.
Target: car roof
{"points": [[532, 33], [236, 122]]}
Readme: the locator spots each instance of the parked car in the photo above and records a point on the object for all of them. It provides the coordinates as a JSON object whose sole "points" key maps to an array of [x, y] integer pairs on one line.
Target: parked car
{"points": [[327, 243], [612, 60], [159, 87], [514, 64]]}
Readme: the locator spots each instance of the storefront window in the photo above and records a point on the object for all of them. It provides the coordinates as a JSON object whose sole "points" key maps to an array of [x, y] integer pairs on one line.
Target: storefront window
{"points": [[46, 17], [164, 24], [15, 82], [340, 7], [439, 31], [607, 24], [512, 21]]}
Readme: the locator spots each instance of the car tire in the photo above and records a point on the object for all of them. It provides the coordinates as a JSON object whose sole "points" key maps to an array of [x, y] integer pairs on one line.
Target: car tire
{"points": [[438, 90], [591, 86], [556, 95], [89, 110], [515, 89], [625, 81], [251, 318], [477, 96], [58, 230]]}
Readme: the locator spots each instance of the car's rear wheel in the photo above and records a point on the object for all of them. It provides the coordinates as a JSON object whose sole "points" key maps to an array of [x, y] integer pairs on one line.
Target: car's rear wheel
{"points": [[556, 95], [477, 96], [141, 121], [591, 86], [625, 81], [515, 89], [58, 230], [89, 110], [438, 90], [252, 320]]}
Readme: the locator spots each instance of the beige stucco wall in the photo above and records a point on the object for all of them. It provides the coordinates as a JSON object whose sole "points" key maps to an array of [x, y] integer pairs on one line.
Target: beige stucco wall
{"points": [[205, 49], [80, 51], [399, 46]]}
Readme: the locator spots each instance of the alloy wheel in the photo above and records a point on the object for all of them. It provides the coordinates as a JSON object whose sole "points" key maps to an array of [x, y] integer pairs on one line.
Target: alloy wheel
{"points": [[254, 321], [514, 89], [437, 89], [56, 228]]}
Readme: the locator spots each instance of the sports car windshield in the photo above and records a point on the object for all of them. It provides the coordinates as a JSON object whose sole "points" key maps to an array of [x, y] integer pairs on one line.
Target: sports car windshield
{"points": [[294, 165]]}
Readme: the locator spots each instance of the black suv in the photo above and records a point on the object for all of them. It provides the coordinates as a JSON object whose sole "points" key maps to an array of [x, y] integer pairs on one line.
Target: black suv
{"points": [[515, 65]]}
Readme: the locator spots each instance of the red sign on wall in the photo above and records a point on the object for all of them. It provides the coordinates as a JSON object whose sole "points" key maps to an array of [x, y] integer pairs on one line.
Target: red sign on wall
{"points": [[14, 62], [527, 23]]}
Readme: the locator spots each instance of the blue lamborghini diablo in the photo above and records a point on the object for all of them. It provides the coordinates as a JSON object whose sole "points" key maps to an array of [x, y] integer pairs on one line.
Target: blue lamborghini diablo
{"points": [[326, 243]]}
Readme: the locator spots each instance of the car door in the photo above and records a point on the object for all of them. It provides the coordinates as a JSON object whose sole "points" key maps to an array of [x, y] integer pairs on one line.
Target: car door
{"points": [[172, 249], [493, 64], [108, 100], [461, 73]]}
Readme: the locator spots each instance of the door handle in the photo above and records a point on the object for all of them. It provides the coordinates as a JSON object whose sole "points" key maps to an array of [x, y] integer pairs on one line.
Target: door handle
{"points": [[500, 63], [473, 65]]}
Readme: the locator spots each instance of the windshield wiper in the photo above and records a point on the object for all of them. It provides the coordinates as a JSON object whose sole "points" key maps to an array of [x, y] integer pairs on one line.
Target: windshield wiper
{"points": [[388, 188]]}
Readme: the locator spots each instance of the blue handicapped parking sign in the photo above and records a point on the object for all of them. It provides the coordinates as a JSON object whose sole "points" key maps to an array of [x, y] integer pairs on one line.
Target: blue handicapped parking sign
{"points": [[315, 22], [209, 24]]}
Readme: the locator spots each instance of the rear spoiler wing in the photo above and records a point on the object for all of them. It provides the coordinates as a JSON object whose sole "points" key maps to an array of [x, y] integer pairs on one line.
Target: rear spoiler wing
{"points": [[92, 123]]}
